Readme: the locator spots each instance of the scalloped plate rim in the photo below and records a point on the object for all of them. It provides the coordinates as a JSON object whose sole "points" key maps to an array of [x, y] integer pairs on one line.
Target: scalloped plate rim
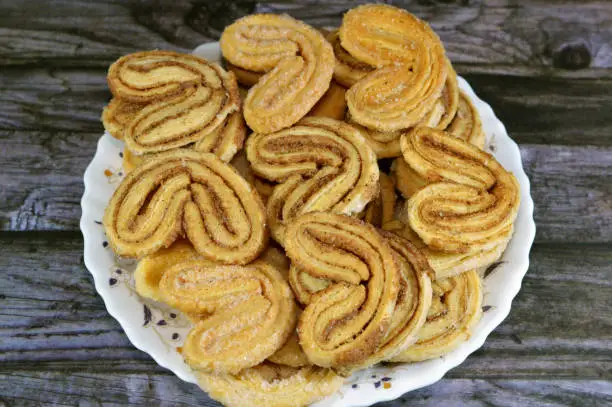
{"points": [[525, 231]]}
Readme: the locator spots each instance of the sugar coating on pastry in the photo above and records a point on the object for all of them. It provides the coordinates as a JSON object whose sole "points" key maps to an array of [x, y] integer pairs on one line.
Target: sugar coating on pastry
{"points": [[344, 324], [360, 275], [191, 194], [251, 312], [386, 144], [272, 385], [456, 308], [470, 201], [411, 66], [186, 98], [296, 60], [321, 164]]}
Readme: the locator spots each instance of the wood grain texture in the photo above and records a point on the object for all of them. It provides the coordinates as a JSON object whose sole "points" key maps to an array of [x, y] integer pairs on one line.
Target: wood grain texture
{"points": [[545, 66], [541, 34], [570, 187], [501, 32], [534, 110], [159, 389], [63, 337]]}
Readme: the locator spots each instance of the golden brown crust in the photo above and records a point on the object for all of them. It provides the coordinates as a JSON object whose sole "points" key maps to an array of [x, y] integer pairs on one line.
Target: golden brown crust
{"points": [[386, 144], [118, 114], [450, 264], [455, 310], [471, 200], [151, 268], [297, 60], [344, 324], [322, 165], [183, 191], [245, 77], [413, 299], [186, 98], [410, 61], [348, 70], [332, 104], [251, 312], [272, 385], [449, 98], [226, 140], [466, 124]]}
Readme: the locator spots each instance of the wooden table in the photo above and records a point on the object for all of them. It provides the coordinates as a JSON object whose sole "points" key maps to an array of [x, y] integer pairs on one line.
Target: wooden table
{"points": [[546, 68]]}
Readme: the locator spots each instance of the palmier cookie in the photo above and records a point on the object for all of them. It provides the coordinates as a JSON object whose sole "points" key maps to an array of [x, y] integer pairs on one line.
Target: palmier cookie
{"points": [[188, 193], [411, 66], [320, 164], [185, 99], [470, 201], [297, 62]]}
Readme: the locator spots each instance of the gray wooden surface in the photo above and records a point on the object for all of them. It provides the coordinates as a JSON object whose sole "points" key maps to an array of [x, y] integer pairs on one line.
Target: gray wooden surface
{"points": [[545, 66]]}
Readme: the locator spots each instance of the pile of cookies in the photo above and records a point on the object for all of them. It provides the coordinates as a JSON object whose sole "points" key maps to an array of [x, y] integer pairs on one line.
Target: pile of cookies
{"points": [[298, 259]]}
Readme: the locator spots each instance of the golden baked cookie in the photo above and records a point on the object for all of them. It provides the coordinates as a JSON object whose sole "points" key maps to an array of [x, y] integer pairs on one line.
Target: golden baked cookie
{"points": [[347, 70], [297, 62], [386, 144], [291, 354], [344, 324], [455, 309], [470, 202], [188, 193], [186, 98], [332, 104], [466, 123], [381, 209], [410, 308], [272, 385], [411, 67], [251, 311], [449, 264], [118, 114], [151, 268], [321, 164]]}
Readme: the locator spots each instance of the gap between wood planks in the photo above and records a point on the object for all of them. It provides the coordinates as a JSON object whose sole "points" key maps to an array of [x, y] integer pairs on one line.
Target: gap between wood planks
{"points": [[569, 184], [571, 35], [534, 109], [52, 318]]}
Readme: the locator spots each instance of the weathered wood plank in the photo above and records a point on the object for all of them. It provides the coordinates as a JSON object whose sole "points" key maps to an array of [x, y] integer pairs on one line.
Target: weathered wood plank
{"points": [[549, 110], [42, 98], [502, 33], [534, 110], [569, 185], [145, 389], [44, 190], [62, 340], [559, 325]]}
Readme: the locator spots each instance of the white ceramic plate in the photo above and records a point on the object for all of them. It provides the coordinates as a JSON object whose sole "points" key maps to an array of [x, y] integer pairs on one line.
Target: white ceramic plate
{"points": [[158, 330]]}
